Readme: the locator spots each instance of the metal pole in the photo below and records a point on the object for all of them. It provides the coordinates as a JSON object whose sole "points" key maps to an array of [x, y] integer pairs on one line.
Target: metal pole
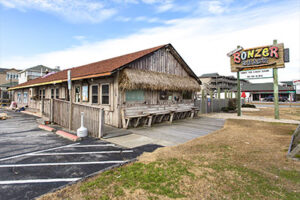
{"points": [[275, 80], [211, 102], [219, 95], [70, 98], [203, 101], [238, 98]]}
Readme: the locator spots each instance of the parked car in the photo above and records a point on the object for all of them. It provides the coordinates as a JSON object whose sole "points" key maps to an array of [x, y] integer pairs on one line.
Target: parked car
{"points": [[269, 98], [283, 99]]}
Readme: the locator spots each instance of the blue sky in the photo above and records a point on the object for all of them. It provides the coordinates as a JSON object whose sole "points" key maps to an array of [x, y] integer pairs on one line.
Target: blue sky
{"points": [[71, 33]]}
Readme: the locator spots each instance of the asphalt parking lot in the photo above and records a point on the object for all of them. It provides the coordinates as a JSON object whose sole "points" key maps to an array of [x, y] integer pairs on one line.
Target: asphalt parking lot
{"points": [[34, 162]]}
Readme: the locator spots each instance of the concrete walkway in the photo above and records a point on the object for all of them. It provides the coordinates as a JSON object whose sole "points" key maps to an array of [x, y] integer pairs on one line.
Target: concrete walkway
{"points": [[257, 118], [165, 134]]}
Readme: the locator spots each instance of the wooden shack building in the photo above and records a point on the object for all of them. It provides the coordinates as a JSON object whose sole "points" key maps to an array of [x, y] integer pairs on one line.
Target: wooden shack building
{"points": [[139, 88]]}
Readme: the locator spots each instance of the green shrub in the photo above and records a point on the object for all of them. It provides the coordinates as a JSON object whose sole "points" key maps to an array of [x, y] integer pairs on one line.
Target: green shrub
{"points": [[232, 104], [248, 106]]}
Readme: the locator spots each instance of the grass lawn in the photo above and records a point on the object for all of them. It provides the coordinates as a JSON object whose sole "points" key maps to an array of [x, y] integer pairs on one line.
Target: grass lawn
{"points": [[284, 113], [244, 160]]}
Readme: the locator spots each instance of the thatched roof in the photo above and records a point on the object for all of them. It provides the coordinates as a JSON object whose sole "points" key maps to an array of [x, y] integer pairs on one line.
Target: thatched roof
{"points": [[131, 79]]}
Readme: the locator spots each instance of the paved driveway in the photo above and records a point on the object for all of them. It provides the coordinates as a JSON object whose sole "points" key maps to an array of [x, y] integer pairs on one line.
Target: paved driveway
{"points": [[180, 131], [33, 162]]}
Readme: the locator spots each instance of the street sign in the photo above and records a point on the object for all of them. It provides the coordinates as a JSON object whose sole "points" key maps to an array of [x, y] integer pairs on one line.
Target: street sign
{"points": [[256, 74]]}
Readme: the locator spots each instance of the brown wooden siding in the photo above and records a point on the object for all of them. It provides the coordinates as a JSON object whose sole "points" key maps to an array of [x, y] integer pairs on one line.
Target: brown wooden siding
{"points": [[160, 61]]}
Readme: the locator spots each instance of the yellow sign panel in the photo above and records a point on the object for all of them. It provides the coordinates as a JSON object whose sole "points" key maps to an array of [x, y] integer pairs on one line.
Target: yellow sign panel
{"points": [[259, 57]]}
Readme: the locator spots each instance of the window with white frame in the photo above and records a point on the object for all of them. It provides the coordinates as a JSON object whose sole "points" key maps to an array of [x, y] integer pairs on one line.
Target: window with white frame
{"points": [[105, 94], [95, 95], [77, 94], [19, 98], [25, 97], [85, 93]]}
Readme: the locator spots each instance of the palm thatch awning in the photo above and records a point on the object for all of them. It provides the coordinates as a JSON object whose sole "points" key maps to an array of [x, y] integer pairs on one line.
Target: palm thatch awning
{"points": [[131, 79]]}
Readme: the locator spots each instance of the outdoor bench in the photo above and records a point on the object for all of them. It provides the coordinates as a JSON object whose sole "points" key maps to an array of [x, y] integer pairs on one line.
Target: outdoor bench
{"points": [[148, 115]]}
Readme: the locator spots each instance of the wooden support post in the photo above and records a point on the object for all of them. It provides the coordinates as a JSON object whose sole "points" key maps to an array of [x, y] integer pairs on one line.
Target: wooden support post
{"points": [[275, 80], [42, 106], [219, 93], [150, 120], [101, 122], [137, 122], [51, 110], [171, 117], [70, 112], [276, 104], [238, 98], [203, 95], [225, 94]]}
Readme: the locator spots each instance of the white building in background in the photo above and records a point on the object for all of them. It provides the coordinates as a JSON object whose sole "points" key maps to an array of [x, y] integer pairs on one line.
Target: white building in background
{"points": [[35, 72]]}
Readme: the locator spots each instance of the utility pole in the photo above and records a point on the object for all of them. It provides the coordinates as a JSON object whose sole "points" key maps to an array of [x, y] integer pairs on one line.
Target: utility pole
{"points": [[275, 80]]}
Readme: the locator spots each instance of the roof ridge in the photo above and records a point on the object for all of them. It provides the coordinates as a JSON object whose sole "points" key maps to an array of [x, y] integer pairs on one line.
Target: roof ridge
{"points": [[100, 67]]}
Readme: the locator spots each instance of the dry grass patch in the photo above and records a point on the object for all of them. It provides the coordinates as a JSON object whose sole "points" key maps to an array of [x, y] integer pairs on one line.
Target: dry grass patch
{"points": [[244, 160], [284, 113]]}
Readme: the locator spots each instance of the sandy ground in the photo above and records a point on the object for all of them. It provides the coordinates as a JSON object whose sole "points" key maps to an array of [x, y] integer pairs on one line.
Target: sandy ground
{"points": [[244, 160], [292, 113]]}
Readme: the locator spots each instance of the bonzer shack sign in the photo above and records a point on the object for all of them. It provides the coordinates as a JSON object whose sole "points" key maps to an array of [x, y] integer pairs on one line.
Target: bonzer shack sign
{"points": [[257, 58]]}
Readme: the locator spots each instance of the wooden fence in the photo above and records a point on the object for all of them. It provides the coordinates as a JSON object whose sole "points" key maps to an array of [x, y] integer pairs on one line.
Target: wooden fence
{"points": [[91, 118], [214, 105], [61, 112], [58, 112], [46, 107]]}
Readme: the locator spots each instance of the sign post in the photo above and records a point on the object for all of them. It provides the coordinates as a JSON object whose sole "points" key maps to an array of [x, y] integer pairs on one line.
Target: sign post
{"points": [[238, 99], [275, 80]]}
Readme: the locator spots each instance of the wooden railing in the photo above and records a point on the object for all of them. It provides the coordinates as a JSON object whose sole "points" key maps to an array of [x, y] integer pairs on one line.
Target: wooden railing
{"points": [[59, 113]]}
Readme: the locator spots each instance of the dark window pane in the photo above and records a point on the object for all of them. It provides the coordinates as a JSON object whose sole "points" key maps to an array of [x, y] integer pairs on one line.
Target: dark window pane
{"points": [[163, 95], [105, 100], [187, 95], [95, 89], [57, 93], [105, 89], [94, 99], [52, 93]]}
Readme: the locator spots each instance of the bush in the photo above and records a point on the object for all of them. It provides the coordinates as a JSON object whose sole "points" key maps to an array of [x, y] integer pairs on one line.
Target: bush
{"points": [[224, 109], [248, 106], [232, 104], [227, 109]]}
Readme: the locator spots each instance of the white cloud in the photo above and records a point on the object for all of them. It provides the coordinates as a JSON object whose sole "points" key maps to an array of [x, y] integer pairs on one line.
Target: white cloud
{"points": [[215, 7], [202, 42], [74, 11]]}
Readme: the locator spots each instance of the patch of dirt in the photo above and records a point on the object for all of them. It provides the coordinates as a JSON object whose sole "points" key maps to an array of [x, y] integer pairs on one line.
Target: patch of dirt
{"points": [[284, 113]]}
